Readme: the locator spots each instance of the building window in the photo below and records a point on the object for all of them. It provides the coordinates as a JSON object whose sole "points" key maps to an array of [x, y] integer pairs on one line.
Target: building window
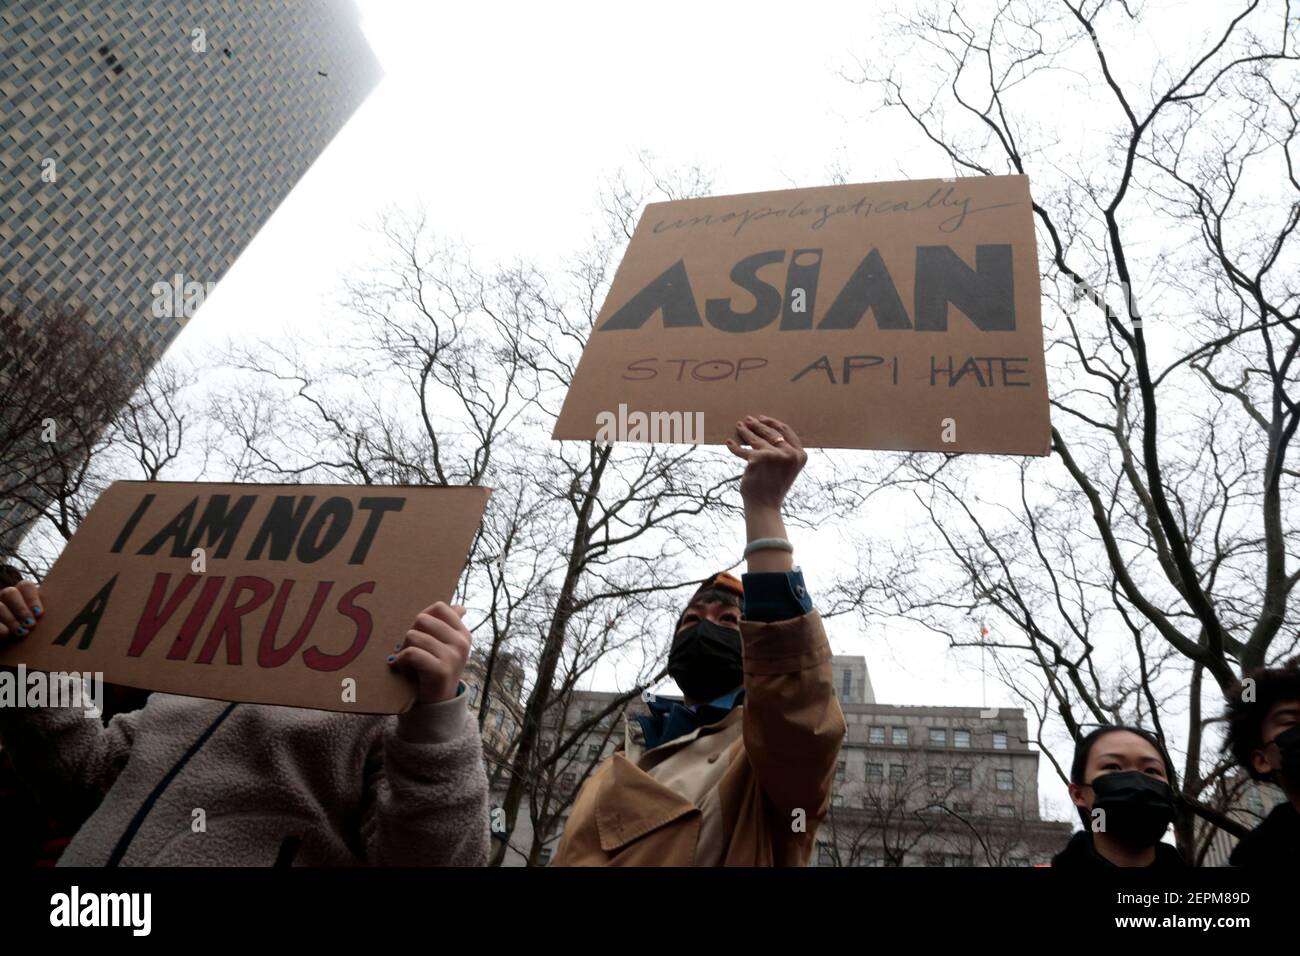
{"points": [[961, 776], [961, 808], [875, 773], [593, 751], [999, 740], [961, 738], [837, 800], [501, 719], [936, 776], [1006, 810], [938, 737], [473, 694], [544, 857], [586, 713], [875, 735], [897, 772], [1004, 780], [568, 780], [898, 736], [1020, 861], [824, 857], [840, 770]]}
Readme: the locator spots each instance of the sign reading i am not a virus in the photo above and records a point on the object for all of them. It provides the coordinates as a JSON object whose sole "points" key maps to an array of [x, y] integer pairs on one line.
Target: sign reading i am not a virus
{"points": [[899, 315], [271, 594]]}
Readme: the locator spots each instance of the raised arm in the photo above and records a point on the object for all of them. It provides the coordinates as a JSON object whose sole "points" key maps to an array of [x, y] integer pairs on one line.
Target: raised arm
{"points": [[793, 724]]}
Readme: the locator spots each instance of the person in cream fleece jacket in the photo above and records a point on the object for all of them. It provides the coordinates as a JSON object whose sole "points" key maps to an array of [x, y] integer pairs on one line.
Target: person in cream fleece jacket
{"points": [[191, 782]]}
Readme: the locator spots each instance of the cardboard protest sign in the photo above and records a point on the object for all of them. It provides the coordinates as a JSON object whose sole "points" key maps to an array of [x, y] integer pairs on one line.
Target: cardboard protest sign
{"points": [[277, 594], [898, 315]]}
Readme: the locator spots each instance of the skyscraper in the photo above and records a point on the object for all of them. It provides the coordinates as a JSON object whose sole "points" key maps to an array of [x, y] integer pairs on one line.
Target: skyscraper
{"points": [[144, 144]]}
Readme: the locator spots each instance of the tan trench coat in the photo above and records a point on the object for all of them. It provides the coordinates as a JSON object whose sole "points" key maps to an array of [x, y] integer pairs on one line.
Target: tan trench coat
{"points": [[749, 790]]}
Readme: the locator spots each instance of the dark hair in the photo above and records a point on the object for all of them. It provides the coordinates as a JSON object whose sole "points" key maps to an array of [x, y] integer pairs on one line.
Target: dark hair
{"points": [[1083, 749], [9, 575], [1246, 717]]}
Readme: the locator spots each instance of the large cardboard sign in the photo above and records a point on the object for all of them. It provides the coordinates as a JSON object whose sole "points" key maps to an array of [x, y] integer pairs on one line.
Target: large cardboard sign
{"points": [[898, 315], [278, 594]]}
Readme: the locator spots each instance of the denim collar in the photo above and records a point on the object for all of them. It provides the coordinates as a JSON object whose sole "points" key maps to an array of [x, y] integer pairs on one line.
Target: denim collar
{"points": [[670, 719]]}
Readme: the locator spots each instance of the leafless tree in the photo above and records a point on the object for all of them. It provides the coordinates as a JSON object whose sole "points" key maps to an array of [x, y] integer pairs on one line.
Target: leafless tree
{"points": [[455, 378], [1136, 572], [886, 820], [453, 375], [80, 409]]}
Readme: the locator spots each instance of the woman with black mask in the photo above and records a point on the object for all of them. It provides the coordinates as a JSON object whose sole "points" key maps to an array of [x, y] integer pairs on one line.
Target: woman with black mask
{"points": [[1122, 784]]}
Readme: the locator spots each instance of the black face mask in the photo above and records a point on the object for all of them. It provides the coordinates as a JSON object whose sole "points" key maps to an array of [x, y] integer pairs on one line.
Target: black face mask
{"points": [[1288, 745], [1138, 807], [705, 660]]}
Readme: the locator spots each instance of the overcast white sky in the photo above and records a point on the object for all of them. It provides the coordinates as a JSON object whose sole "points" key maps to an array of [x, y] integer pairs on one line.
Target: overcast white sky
{"points": [[503, 119]]}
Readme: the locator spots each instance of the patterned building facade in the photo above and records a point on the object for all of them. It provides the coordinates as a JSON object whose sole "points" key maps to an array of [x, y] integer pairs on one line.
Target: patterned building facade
{"points": [[144, 141]]}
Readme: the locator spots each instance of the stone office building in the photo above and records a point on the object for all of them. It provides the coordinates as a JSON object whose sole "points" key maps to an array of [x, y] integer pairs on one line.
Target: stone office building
{"points": [[936, 786]]}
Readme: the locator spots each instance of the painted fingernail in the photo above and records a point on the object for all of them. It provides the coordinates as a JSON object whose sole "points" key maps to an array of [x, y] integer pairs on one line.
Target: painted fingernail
{"points": [[21, 632], [36, 610], [391, 658], [29, 621]]}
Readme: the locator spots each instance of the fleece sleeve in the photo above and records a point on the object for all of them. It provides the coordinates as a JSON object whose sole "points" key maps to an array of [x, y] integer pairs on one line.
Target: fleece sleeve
{"points": [[66, 757], [428, 803]]}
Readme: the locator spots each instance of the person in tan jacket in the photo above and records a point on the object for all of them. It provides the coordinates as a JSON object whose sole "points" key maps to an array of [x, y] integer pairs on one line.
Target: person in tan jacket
{"points": [[740, 772]]}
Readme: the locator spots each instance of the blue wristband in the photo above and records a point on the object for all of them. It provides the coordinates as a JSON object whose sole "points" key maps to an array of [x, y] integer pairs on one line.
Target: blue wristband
{"points": [[775, 596]]}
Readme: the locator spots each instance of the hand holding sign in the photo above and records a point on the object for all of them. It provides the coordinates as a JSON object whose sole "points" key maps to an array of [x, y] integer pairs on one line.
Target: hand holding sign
{"points": [[274, 594], [899, 315], [20, 610], [773, 460], [434, 652]]}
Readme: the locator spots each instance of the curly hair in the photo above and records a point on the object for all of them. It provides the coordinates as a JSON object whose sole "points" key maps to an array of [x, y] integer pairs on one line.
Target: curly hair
{"points": [[1245, 718]]}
